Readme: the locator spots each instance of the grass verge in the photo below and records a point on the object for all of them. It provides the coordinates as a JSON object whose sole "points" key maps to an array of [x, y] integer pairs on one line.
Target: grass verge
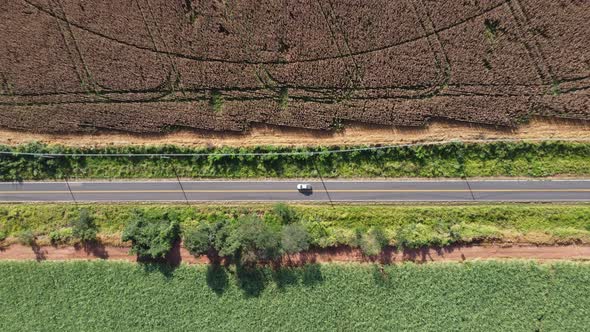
{"points": [[476, 296], [412, 225], [448, 160]]}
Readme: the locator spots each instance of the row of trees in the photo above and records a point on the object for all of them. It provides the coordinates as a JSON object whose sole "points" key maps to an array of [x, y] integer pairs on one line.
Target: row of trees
{"points": [[246, 235], [247, 239]]}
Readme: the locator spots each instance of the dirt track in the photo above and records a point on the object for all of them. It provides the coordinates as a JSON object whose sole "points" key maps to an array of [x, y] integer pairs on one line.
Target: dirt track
{"points": [[342, 254], [538, 128]]}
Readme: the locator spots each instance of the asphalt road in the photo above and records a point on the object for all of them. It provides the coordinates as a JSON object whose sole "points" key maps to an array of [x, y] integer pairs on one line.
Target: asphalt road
{"points": [[343, 191]]}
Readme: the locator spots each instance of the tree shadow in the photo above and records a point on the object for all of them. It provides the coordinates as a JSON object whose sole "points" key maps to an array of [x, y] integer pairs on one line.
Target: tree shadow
{"points": [[312, 275], [251, 279], [380, 276], [166, 266], [94, 248], [418, 255], [157, 266], [173, 257], [217, 278], [38, 251], [284, 276], [305, 257]]}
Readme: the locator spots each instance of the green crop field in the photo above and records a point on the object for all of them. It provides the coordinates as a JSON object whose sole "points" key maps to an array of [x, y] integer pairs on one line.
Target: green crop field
{"points": [[477, 296]]}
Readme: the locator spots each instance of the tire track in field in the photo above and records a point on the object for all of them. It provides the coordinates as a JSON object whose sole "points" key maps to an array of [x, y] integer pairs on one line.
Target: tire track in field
{"points": [[75, 64], [356, 77], [277, 62], [176, 83], [88, 82], [423, 16], [522, 33]]}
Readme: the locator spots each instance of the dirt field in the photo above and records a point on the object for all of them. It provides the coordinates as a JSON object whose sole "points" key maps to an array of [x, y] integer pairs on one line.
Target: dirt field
{"points": [[342, 254], [156, 66], [261, 135]]}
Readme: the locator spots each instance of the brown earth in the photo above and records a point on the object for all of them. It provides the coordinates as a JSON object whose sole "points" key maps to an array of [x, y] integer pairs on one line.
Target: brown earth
{"points": [[152, 66], [354, 134], [341, 254]]}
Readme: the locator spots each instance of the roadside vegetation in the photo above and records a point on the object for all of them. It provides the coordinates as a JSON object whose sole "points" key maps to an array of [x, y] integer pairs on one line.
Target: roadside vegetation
{"points": [[247, 233], [474, 296], [447, 160]]}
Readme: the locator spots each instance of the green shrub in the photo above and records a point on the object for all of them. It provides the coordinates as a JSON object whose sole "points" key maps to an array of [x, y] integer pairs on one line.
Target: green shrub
{"points": [[61, 236], [337, 236], [373, 242], [294, 239], [285, 213], [565, 235], [207, 238], [84, 228], [317, 232], [475, 232], [420, 235], [197, 240], [26, 238], [2, 236], [252, 240], [151, 239]]}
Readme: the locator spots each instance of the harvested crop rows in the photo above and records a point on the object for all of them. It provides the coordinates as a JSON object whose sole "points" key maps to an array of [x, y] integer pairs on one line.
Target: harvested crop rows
{"points": [[149, 66]]}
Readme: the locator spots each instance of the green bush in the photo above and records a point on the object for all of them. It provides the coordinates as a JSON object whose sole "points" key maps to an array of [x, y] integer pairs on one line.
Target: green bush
{"points": [[151, 239], [84, 228], [26, 238], [197, 240], [61, 236], [294, 239], [420, 235], [252, 240], [285, 213], [372, 242], [207, 238], [2, 236]]}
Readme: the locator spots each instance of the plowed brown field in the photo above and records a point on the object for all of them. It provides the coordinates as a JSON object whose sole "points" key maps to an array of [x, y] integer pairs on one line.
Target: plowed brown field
{"points": [[150, 66]]}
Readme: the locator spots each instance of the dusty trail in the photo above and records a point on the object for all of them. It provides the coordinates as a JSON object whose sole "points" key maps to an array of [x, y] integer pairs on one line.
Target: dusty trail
{"points": [[342, 254], [354, 134]]}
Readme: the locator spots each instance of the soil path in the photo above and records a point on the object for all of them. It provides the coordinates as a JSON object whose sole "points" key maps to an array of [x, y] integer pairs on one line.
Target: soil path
{"points": [[340, 254], [537, 128]]}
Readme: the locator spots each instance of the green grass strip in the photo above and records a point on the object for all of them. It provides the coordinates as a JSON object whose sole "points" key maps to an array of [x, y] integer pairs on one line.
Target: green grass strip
{"points": [[427, 224], [447, 160]]}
